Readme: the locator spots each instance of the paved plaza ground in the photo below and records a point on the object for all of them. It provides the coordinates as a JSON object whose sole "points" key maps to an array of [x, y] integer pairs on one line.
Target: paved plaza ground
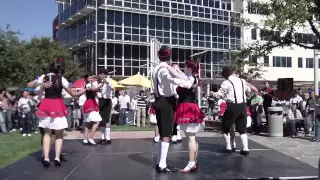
{"points": [[132, 155]]}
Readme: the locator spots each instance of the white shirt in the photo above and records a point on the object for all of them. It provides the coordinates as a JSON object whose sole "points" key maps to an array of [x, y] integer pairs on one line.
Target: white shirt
{"points": [[39, 92], [106, 90], [65, 83], [165, 83], [295, 100], [134, 104], [25, 104], [82, 100], [227, 91], [123, 101], [114, 102]]}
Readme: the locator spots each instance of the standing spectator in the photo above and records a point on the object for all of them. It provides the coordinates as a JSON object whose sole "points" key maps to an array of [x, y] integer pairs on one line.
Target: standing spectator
{"points": [[268, 94], [13, 103], [310, 111], [256, 111], [24, 107], [141, 109], [212, 104], [5, 119], [124, 102]]}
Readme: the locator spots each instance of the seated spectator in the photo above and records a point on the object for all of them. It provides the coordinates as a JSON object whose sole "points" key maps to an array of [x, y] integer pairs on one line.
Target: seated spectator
{"points": [[294, 117]]}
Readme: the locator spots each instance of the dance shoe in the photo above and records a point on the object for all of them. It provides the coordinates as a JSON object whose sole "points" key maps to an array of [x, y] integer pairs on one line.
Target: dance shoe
{"points": [[190, 169], [166, 170], [244, 153], [46, 163], [57, 163]]}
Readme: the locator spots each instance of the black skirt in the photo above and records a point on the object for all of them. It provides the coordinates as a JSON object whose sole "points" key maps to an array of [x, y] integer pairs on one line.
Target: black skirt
{"points": [[105, 107], [165, 108]]}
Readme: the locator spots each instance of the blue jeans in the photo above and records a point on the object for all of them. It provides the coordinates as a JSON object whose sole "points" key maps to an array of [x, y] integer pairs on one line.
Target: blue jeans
{"points": [[257, 122], [317, 127], [309, 123], [123, 116]]}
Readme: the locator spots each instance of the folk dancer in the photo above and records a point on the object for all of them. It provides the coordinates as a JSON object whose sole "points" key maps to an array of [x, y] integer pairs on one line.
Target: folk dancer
{"points": [[164, 78], [39, 96], [91, 109], [188, 114], [105, 106], [52, 111], [234, 89]]}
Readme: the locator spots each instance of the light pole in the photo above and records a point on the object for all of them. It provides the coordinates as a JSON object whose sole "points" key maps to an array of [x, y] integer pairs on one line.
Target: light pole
{"points": [[198, 57], [316, 53]]}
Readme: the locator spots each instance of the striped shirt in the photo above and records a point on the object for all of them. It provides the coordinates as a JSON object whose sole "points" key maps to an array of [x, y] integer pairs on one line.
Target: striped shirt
{"points": [[141, 101]]}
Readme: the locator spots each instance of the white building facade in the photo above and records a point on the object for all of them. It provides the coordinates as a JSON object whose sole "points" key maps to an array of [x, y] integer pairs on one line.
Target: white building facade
{"points": [[290, 62]]}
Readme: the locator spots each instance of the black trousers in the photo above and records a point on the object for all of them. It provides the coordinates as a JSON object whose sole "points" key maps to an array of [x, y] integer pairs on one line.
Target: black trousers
{"points": [[105, 107], [165, 108], [26, 118], [235, 114]]}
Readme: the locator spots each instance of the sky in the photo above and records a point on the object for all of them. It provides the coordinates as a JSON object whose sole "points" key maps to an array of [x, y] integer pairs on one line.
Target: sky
{"points": [[30, 17]]}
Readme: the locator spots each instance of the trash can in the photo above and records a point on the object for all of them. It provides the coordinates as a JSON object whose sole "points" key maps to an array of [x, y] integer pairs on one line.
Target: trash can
{"points": [[275, 122]]}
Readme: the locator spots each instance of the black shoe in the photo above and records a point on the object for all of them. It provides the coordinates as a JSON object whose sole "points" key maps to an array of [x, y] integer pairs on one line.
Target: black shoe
{"points": [[62, 158], [108, 141], [57, 163], [174, 142], [233, 149], [167, 169], [102, 141], [227, 151], [46, 163], [244, 153], [179, 140]]}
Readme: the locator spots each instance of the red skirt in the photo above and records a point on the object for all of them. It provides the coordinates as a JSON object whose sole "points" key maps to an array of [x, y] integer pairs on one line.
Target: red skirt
{"points": [[90, 105], [187, 113], [152, 110], [52, 108]]}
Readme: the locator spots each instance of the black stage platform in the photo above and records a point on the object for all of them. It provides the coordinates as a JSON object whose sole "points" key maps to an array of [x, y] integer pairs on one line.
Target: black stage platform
{"points": [[134, 160]]}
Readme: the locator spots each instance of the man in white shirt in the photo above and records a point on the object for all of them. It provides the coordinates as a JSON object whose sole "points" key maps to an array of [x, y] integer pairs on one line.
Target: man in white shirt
{"points": [[124, 103], [105, 106], [24, 108], [234, 89], [164, 80]]}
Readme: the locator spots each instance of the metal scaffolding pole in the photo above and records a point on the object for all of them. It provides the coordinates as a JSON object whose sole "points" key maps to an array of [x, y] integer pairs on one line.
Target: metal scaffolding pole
{"points": [[316, 53]]}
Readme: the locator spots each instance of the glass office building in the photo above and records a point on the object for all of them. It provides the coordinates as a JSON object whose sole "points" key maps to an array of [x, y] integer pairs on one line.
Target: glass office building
{"points": [[116, 34]]}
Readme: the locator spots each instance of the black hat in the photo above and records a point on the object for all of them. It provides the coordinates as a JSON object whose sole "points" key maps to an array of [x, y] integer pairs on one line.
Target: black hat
{"points": [[226, 71], [164, 53]]}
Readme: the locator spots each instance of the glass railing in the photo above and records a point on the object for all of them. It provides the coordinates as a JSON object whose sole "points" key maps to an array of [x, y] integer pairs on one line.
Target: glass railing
{"points": [[74, 8]]}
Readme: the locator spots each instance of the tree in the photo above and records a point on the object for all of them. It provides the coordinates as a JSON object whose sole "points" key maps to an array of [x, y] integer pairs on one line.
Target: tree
{"points": [[21, 61], [282, 24]]}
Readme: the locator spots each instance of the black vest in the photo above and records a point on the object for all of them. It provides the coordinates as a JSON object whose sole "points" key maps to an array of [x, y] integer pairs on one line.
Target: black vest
{"points": [[54, 92], [187, 95]]}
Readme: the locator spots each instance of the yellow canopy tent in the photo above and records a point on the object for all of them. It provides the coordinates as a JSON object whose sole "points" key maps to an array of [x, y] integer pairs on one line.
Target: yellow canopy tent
{"points": [[136, 80], [116, 85]]}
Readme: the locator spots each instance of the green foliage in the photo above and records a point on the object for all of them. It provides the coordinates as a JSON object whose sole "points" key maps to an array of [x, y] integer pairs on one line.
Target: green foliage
{"points": [[21, 61], [282, 19]]}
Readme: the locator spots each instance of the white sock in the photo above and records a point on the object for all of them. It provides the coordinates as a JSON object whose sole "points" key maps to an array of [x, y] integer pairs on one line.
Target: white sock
{"points": [[178, 135], [159, 152], [107, 134], [157, 138], [174, 138], [190, 165], [103, 132], [227, 140], [163, 156], [244, 139], [233, 141]]}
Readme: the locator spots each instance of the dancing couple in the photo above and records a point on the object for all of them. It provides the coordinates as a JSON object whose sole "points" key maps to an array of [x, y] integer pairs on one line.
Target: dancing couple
{"points": [[165, 79]]}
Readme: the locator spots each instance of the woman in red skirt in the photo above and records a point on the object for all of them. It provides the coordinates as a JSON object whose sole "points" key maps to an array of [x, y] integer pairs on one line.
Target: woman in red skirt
{"points": [[90, 109], [52, 112], [189, 116]]}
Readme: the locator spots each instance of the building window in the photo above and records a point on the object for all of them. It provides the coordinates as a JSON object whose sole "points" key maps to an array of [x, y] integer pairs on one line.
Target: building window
{"points": [[257, 8], [254, 34], [266, 61], [300, 62], [305, 38], [309, 63], [279, 61], [253, 58], [266, 35]]}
